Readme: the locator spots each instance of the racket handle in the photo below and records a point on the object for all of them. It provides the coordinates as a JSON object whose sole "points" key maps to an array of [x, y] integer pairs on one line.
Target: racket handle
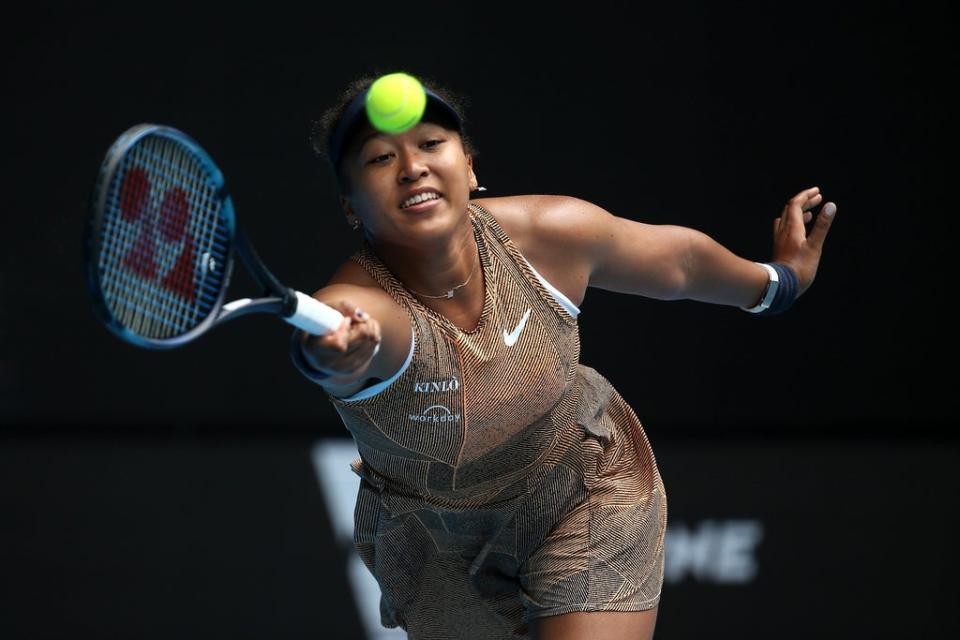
{"points": [[313, 316]]}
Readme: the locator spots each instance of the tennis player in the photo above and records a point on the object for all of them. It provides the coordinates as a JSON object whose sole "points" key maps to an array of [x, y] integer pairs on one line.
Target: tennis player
{"points": [[507, 490]]}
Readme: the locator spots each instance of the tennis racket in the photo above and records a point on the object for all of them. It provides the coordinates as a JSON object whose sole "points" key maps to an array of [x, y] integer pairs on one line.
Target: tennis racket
{"points": [[161, 241]]}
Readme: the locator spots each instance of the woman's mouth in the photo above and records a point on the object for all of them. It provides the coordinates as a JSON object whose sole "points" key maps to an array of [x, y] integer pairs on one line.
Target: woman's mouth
{"points": [[421, 201]]}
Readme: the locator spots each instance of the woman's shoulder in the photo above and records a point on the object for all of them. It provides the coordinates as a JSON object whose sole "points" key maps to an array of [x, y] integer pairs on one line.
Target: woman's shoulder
{"points": [[350, 272], [528, 218], [352, 280], [547, 230]]}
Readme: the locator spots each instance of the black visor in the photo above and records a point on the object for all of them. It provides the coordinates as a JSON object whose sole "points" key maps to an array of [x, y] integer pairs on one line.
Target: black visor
{"points": [[355, 118]]}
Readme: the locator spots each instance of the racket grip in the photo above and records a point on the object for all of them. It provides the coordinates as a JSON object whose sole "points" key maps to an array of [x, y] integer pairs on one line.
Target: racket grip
{"points": [[313, 316]]}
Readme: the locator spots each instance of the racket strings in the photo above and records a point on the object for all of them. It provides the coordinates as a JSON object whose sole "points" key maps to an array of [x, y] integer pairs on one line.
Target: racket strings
{"points": [[164, 242]]}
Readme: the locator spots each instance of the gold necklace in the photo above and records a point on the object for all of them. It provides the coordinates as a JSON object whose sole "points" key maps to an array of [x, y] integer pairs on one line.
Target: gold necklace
{"points": [[450, 292]]}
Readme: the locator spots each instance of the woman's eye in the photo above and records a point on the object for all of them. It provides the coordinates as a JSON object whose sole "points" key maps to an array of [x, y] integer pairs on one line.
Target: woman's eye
{"points": [[379, 159], [431, 143]]}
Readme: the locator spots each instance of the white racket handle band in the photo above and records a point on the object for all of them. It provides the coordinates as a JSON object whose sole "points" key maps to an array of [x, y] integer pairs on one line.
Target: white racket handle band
{"points": [[313, 316]]}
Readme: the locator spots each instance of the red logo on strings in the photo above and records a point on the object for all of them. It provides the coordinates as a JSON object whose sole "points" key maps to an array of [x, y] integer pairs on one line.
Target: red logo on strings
{"points": [[173, 217]]}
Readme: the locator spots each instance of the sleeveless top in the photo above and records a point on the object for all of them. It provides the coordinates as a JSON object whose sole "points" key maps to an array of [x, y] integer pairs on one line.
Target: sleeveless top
{"points": [[476, 410], [498, 474]]}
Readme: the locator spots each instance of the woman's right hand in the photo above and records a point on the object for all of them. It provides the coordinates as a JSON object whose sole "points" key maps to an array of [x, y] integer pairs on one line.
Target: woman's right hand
{"points": [[347, 351]]}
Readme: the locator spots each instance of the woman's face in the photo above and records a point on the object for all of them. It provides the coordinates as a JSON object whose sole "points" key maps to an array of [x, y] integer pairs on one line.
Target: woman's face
{"points": [[408, 188]]}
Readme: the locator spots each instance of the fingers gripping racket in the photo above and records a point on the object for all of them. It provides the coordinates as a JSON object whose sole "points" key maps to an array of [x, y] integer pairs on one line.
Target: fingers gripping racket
{"points": [[161, 242]]}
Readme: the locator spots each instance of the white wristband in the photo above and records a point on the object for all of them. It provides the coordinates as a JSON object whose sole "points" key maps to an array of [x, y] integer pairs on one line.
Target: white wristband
{"points": [[770, 292]]}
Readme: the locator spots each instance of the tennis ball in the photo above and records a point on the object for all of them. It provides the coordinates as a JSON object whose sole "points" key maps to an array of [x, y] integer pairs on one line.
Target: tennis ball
{"points": [[395, 102]]}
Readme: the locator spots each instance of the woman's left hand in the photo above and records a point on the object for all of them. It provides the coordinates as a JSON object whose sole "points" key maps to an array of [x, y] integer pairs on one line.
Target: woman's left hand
{"points": [[792, 245]]}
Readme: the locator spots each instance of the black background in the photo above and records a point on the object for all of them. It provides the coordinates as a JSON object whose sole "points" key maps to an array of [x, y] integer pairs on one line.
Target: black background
{"points": [[706, 115]]}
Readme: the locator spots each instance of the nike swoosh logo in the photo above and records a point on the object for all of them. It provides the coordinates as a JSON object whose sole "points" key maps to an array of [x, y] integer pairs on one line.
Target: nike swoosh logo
{"points": [[510, 339]]}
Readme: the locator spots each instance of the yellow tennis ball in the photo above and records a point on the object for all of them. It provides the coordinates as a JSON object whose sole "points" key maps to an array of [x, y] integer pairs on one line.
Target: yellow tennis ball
{"points": [[395, 102]]}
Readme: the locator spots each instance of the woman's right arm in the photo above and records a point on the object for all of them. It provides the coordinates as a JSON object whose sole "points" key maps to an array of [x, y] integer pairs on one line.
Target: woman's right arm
{"points": [[372, 342]]}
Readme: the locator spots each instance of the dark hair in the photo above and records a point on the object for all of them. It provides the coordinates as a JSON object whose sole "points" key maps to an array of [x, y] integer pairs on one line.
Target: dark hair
{"points": [[322, 129]]}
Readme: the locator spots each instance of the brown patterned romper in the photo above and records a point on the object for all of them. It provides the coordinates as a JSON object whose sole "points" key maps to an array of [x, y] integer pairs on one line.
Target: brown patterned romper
{"points": [[502, 482]]}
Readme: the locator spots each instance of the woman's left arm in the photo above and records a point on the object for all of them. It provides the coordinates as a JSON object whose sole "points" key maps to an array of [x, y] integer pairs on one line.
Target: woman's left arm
{"points": [[670, 262]]}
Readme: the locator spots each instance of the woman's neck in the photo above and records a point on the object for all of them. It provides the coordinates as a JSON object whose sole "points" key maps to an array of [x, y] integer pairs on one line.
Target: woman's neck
{"points": [[433, 272]]}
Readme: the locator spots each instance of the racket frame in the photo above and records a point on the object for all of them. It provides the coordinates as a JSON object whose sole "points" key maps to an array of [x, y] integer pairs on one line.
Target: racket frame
{"points": [[278, 299]]}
